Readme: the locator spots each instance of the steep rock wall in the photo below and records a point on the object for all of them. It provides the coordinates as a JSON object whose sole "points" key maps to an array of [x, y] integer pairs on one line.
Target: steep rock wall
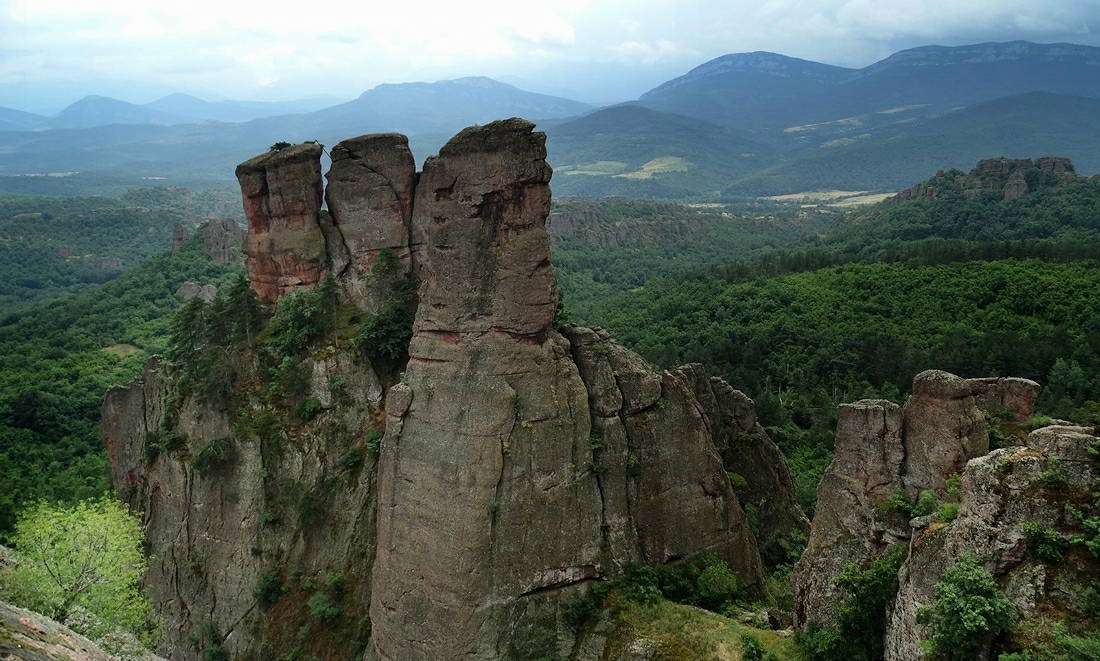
{"points": [[518, 464]]}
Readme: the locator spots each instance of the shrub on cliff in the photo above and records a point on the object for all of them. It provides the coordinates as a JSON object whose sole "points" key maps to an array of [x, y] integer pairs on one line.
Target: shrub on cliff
{"points": [[970, 609], [857, 632], [84, 557]]}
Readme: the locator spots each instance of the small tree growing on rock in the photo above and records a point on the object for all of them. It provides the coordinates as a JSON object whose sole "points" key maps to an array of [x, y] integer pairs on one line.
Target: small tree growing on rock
{"points": [[970, 609], [84, 557]]}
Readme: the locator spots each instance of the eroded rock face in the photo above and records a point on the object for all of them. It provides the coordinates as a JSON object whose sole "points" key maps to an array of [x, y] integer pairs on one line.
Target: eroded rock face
{"points": [[1000, 492], [747, 451], [944, 429], [1011, 398], [518, 465], [369, 194], [286, 245], [850, 524], [270, 498], [487, 498], [222, 240]]}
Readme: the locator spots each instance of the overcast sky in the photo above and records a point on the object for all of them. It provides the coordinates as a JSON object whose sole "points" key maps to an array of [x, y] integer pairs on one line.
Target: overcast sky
{"points": [[53, 52]]}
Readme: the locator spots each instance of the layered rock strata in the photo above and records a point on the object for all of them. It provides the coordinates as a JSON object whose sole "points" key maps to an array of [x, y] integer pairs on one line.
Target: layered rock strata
{"points": [[518, 465]]}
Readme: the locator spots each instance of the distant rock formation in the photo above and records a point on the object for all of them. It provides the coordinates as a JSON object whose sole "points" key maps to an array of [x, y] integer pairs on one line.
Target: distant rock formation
{"points": [[882, 449], [222, 240], [517, 466], [1011, 177], [179, 237], [190, 289]]}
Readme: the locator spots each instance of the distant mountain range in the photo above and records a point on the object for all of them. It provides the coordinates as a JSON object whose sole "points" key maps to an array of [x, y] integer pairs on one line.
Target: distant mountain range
{"points": [[741, 124]]}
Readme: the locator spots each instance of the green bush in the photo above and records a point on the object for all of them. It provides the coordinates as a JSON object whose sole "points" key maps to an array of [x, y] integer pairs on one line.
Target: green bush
{"points": [[1045, 543], [856, 633], [309, 409], [269, 589], [214, 454], [323, 608], [717, 586], [927, 503], [751, 649], [948, 512], [302, 317], [373, 440], [970, 609], [351, 458]]}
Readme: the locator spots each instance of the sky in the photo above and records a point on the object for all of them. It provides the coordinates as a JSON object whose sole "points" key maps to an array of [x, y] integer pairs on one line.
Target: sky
{"points": [[53, 52]]}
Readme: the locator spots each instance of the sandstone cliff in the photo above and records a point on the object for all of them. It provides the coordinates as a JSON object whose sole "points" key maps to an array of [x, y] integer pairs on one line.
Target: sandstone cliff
{"points": [[882, 450], [518, 464], [886, 455]]}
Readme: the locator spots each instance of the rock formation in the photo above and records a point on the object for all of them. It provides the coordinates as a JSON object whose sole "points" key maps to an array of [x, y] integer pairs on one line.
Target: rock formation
{"points": [[1010, 177], [179, 237], [286, 245], [28, 636], [1001, 492], [222, 240], [885, 452], [883, 449], [518, 465]]}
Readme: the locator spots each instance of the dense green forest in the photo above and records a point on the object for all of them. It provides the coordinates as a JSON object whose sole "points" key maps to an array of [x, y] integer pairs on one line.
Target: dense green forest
{"points": [[57, 360], [605, 248], [50, 246], [978, 287]]}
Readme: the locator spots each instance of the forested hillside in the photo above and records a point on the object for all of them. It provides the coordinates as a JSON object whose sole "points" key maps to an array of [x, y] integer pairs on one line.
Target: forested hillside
{"points": [[51, 246], [57, 360], [973, 284]]}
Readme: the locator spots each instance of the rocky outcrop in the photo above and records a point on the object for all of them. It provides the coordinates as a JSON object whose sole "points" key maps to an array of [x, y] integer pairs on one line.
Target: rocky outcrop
{"points": [[190, 289], [29, 636], [1009, 177], [882, 450], [1008, 398], [233, 500], [943, 429], [179, 237], [222, 240], [517, 467], [768, 494], [286, 245], [1001, 491], [850, 524]]}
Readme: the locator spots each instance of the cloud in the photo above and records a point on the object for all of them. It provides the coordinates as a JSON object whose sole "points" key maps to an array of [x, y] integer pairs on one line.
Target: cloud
{"points": [[245, 49]]}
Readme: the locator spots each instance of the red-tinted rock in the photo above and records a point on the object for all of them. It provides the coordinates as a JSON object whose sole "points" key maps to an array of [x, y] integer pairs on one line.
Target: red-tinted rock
{"points": [[285, 245]]}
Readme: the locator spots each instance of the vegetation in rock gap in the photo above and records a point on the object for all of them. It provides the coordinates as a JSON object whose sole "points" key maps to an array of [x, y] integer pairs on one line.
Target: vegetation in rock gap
{"points": [[857, 632], [385, 336]]}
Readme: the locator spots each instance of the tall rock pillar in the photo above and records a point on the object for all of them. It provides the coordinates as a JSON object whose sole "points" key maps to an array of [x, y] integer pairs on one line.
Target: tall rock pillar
{"points": [[488, 507]]}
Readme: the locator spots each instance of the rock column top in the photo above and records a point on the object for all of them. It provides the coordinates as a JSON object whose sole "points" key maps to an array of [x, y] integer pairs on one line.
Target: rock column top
{"points": [[285, 245], [479, 224]]}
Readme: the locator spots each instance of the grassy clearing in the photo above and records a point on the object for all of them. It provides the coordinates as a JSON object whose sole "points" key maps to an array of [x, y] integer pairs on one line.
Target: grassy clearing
{"points": [[686, 633], [658, 165]]}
